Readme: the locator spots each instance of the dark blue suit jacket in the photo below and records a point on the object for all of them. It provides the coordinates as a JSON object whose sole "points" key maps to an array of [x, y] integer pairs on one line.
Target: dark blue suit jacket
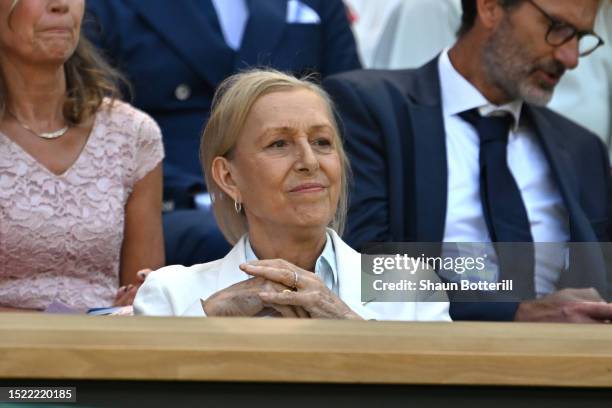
{"points": [[163, 44], [395, 138]]}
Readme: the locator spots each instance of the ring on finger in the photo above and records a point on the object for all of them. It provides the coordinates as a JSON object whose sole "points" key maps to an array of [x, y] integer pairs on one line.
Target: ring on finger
{"points": [[295, 280], [287, 291]]}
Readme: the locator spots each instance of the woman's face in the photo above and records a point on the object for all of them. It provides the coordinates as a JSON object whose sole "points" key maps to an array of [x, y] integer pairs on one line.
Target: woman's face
{"points": [[286, 166], [40, 31]]}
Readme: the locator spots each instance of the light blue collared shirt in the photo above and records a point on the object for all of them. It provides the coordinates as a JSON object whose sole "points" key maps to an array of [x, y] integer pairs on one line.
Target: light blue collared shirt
{"points": [[325, 268]]}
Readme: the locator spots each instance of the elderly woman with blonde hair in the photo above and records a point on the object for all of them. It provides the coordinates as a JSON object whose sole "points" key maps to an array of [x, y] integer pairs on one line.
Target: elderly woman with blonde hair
{"points": [[275, 165], [80, 175]]}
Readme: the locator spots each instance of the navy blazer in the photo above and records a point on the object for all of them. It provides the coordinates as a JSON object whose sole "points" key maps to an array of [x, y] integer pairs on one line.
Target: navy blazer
{"points": [[395, 138], [175, 56]]}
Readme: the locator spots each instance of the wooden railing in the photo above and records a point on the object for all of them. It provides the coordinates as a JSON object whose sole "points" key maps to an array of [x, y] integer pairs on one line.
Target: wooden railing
{"points": [[38, 346]]}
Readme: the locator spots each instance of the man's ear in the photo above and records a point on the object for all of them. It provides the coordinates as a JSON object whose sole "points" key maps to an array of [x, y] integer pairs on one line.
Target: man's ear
{"points": [[490, 13], [222, 174]]}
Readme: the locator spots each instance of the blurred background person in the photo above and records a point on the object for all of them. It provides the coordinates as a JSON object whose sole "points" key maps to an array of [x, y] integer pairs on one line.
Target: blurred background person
{"points": [[274, 161], [585, 94], [80, 172], [370, 21], [421, 29], [176, 54]]}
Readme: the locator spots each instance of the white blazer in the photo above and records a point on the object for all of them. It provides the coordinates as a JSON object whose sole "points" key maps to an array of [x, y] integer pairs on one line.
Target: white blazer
{"points": [[177, 290]]}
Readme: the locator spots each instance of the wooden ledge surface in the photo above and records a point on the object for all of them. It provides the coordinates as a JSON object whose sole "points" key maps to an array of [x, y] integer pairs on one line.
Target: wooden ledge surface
{"points": [[37, 346]]}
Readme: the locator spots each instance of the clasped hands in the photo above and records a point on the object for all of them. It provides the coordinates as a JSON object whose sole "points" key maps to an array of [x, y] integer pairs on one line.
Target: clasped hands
{"points": [[271, 288]]}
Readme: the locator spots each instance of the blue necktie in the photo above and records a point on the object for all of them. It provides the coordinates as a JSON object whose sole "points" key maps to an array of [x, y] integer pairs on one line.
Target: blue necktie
{"points": [[503, 208]]}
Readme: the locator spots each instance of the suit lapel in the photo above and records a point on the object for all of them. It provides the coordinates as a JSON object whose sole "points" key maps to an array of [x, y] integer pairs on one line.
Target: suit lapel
{"points": [[230, 272], [430, 165], [586, 263], [263, 31], [185, 27], [562, 169], [348, 262]]}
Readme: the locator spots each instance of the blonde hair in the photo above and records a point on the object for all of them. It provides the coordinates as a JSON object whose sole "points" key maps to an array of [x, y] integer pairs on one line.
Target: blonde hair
{"points": [[231, 106], [89, 79]]}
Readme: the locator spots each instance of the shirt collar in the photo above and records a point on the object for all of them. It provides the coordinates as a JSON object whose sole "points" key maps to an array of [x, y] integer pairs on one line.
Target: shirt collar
{"points": [[325, 262], [459, 95]]}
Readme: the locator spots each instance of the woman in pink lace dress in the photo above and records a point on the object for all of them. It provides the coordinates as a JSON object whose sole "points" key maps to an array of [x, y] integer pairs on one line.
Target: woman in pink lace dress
{"points": [[80, 175]]}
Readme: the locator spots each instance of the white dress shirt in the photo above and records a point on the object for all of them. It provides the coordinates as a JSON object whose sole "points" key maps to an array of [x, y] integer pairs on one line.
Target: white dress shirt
{"points": [[465, 220], [233, 16]]}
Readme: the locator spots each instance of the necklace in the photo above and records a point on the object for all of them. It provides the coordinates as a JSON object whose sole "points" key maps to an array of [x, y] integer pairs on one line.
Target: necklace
{"points": [[45, 135]]}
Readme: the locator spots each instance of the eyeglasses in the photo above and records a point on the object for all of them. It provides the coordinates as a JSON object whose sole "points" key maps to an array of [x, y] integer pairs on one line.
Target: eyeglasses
{"points": [[560, 32]]}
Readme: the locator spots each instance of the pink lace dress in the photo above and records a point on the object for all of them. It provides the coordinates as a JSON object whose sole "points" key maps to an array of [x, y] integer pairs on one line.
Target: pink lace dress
{"points": [[61, 235]]}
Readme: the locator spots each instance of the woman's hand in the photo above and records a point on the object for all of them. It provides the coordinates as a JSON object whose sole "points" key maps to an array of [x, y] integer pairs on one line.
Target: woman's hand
{"points": [[309, 292], [126, 294], [242, 300]]}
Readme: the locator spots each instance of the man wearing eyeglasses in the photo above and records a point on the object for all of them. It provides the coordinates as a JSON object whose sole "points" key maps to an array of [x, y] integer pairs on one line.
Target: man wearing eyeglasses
{"points": [[583, 95], [464, 150]]}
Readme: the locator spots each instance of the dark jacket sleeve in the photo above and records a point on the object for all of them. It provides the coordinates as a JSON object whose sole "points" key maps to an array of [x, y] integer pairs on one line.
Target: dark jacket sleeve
{"points": [[368, 216], [597, 198], [607, 171], [340, 49]]}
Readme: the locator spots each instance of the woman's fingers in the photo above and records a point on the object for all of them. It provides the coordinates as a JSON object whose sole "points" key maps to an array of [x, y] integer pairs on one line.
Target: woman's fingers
{"points": [[292, 277], [120, 295], [285, 311], [315, 303], [288, 298], [125, 295], [273, 287], [142, 275], [304, 304], [301, 312], [312, 299], [282, 276]]}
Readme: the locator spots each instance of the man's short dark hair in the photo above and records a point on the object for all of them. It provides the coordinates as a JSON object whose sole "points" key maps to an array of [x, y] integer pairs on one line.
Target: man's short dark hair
{"points": [[469, 13]]}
